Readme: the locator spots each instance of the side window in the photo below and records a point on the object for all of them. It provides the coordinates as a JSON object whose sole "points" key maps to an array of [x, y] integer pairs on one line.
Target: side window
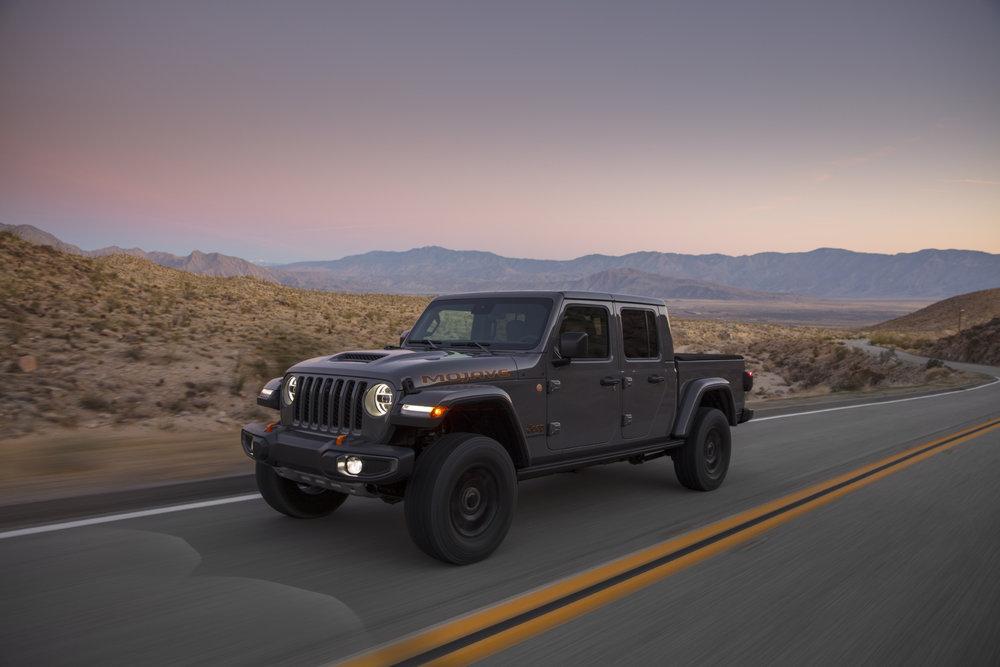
{"points": [[592, 320], [639, 338]]}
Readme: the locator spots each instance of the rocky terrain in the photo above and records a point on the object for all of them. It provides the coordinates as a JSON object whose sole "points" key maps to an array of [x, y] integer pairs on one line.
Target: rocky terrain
{"points": [[979, 344]]}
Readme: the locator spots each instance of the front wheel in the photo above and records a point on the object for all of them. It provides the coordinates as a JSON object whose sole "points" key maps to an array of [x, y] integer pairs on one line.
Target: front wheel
{"points": [[295, 500], [460, 500], [702, 462]]}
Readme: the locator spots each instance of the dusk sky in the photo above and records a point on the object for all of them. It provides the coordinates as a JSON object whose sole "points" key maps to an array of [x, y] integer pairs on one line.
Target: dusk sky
{"points": [[311, 130]]}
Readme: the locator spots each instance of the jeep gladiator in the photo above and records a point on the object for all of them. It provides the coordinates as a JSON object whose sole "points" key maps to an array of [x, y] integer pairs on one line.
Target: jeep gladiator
{"points": [[485, 390]]}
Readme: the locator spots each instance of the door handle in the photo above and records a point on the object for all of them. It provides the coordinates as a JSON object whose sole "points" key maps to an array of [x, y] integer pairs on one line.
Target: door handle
{"points": [[656, 379], [610, 381]]}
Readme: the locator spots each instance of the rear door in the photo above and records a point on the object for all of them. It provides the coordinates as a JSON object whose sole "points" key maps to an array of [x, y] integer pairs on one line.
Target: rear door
{"points": [[584, 399], [648, 378]]}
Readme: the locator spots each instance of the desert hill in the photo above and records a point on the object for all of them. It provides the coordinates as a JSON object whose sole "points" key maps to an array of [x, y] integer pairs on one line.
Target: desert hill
{"points": [[979, 344], [119, 339], [942, 317], [207, 264]]}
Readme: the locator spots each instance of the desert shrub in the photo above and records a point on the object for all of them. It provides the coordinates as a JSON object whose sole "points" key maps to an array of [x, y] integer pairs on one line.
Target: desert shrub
{"points": [[275, 353], [237, 383], [95, 402], [934, 363], [897, 340], [938, 373], [176, 405]]}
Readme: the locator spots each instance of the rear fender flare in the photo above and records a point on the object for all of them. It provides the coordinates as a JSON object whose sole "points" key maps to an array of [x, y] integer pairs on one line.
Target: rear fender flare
{"points": [[693, 393]]}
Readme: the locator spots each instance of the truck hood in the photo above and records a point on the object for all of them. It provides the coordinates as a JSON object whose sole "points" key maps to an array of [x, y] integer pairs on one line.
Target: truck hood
{"points": [[423, 367]]}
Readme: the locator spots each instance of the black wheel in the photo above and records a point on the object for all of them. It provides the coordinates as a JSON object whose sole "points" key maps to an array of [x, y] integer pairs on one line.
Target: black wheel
{"points": [[296, 500], [460, 500], [703, 461]]}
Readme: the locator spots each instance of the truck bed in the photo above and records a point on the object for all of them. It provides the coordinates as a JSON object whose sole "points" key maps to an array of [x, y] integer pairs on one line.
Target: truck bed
{"points": [[729, 367]]}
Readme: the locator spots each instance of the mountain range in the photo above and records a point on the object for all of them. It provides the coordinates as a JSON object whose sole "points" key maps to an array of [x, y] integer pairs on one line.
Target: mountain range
{"points": [[822, 273]]}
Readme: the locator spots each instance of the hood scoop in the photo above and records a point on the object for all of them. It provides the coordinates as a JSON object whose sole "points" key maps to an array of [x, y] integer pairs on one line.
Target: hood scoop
{"points": [[361, 357]]}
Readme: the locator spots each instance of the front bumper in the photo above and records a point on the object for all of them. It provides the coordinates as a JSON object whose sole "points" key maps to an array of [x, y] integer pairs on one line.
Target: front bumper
{"points": [[312, 458]]}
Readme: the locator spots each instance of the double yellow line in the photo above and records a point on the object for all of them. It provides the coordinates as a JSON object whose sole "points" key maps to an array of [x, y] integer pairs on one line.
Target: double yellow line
{"points": [[487, 631]]}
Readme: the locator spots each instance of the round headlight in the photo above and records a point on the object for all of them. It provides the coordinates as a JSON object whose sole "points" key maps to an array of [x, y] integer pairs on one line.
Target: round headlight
{"points": [[288, 391], [378, 399]]}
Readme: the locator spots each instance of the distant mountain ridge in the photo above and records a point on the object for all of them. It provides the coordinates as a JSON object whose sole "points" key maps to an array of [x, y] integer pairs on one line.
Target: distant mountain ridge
{"points": [[820, 273], [633, 281], [823, 273]]}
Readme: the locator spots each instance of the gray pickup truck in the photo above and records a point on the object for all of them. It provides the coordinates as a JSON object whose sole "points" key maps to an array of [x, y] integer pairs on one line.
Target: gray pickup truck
{"points": [[485, 390]]}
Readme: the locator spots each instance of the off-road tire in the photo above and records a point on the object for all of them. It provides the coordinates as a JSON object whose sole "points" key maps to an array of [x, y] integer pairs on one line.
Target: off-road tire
{"points": [[460, 500], [290, 499], [702, 462]]}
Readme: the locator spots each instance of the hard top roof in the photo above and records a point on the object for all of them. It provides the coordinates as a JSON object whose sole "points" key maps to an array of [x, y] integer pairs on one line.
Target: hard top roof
{"points": [[561, 294]]}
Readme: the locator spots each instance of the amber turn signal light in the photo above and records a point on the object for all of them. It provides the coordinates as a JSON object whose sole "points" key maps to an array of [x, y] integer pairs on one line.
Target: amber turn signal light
{"points": [[438, 411]]}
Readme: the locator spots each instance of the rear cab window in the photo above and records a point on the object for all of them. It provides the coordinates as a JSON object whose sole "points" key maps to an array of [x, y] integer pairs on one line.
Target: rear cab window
{"points": [[640, 340]]}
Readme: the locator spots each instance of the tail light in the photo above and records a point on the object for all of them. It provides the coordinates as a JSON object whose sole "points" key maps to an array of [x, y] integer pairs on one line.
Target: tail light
{"points": [[747, 380]]}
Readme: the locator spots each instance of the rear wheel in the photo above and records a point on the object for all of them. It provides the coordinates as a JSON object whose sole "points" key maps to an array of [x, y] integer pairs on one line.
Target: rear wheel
{"points": [[460, 500], [702, 463], [295, 500]]}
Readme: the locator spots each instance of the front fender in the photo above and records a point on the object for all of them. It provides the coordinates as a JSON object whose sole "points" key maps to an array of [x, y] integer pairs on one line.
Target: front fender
{"points": [[693, 394], [415, 410]]}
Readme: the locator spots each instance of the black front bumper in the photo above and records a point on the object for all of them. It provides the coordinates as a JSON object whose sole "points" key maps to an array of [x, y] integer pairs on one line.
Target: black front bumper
{"points": [[312, 458]]}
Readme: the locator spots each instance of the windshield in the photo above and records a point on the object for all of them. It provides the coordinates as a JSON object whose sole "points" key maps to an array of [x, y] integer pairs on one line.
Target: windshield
{"points": [[491, 322]]}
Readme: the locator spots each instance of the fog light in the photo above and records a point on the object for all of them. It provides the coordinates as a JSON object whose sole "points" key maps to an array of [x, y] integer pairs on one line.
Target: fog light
{"points": [[350, 465], [354, 465]]}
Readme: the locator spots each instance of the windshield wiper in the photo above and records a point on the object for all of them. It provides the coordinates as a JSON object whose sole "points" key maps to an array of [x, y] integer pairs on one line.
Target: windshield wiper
{"points": [[481, 346], [425, 341]]}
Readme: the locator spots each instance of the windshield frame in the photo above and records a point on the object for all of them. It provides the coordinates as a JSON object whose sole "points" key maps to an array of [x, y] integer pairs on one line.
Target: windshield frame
{"points": [[491, 346]]}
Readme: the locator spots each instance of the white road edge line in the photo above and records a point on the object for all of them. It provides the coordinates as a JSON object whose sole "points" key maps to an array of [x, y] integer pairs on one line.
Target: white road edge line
{"points": [[109, 518], [756, 420]]}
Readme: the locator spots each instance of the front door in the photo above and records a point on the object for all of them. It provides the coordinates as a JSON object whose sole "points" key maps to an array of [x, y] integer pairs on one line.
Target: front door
{"points": [[648, 378], [584, 408]]}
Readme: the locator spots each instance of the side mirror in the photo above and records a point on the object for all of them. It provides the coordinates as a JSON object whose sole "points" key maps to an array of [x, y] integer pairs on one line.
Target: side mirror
{"points": [[573, 344], [402, 337]]}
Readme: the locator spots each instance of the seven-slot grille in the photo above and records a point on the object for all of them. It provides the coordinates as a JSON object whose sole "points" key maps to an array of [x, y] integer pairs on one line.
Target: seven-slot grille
{"points": [[324, 403]]}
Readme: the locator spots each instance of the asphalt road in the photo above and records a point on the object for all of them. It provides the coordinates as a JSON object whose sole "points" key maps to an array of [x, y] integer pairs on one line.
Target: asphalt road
{"points": [[903, 570]]}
